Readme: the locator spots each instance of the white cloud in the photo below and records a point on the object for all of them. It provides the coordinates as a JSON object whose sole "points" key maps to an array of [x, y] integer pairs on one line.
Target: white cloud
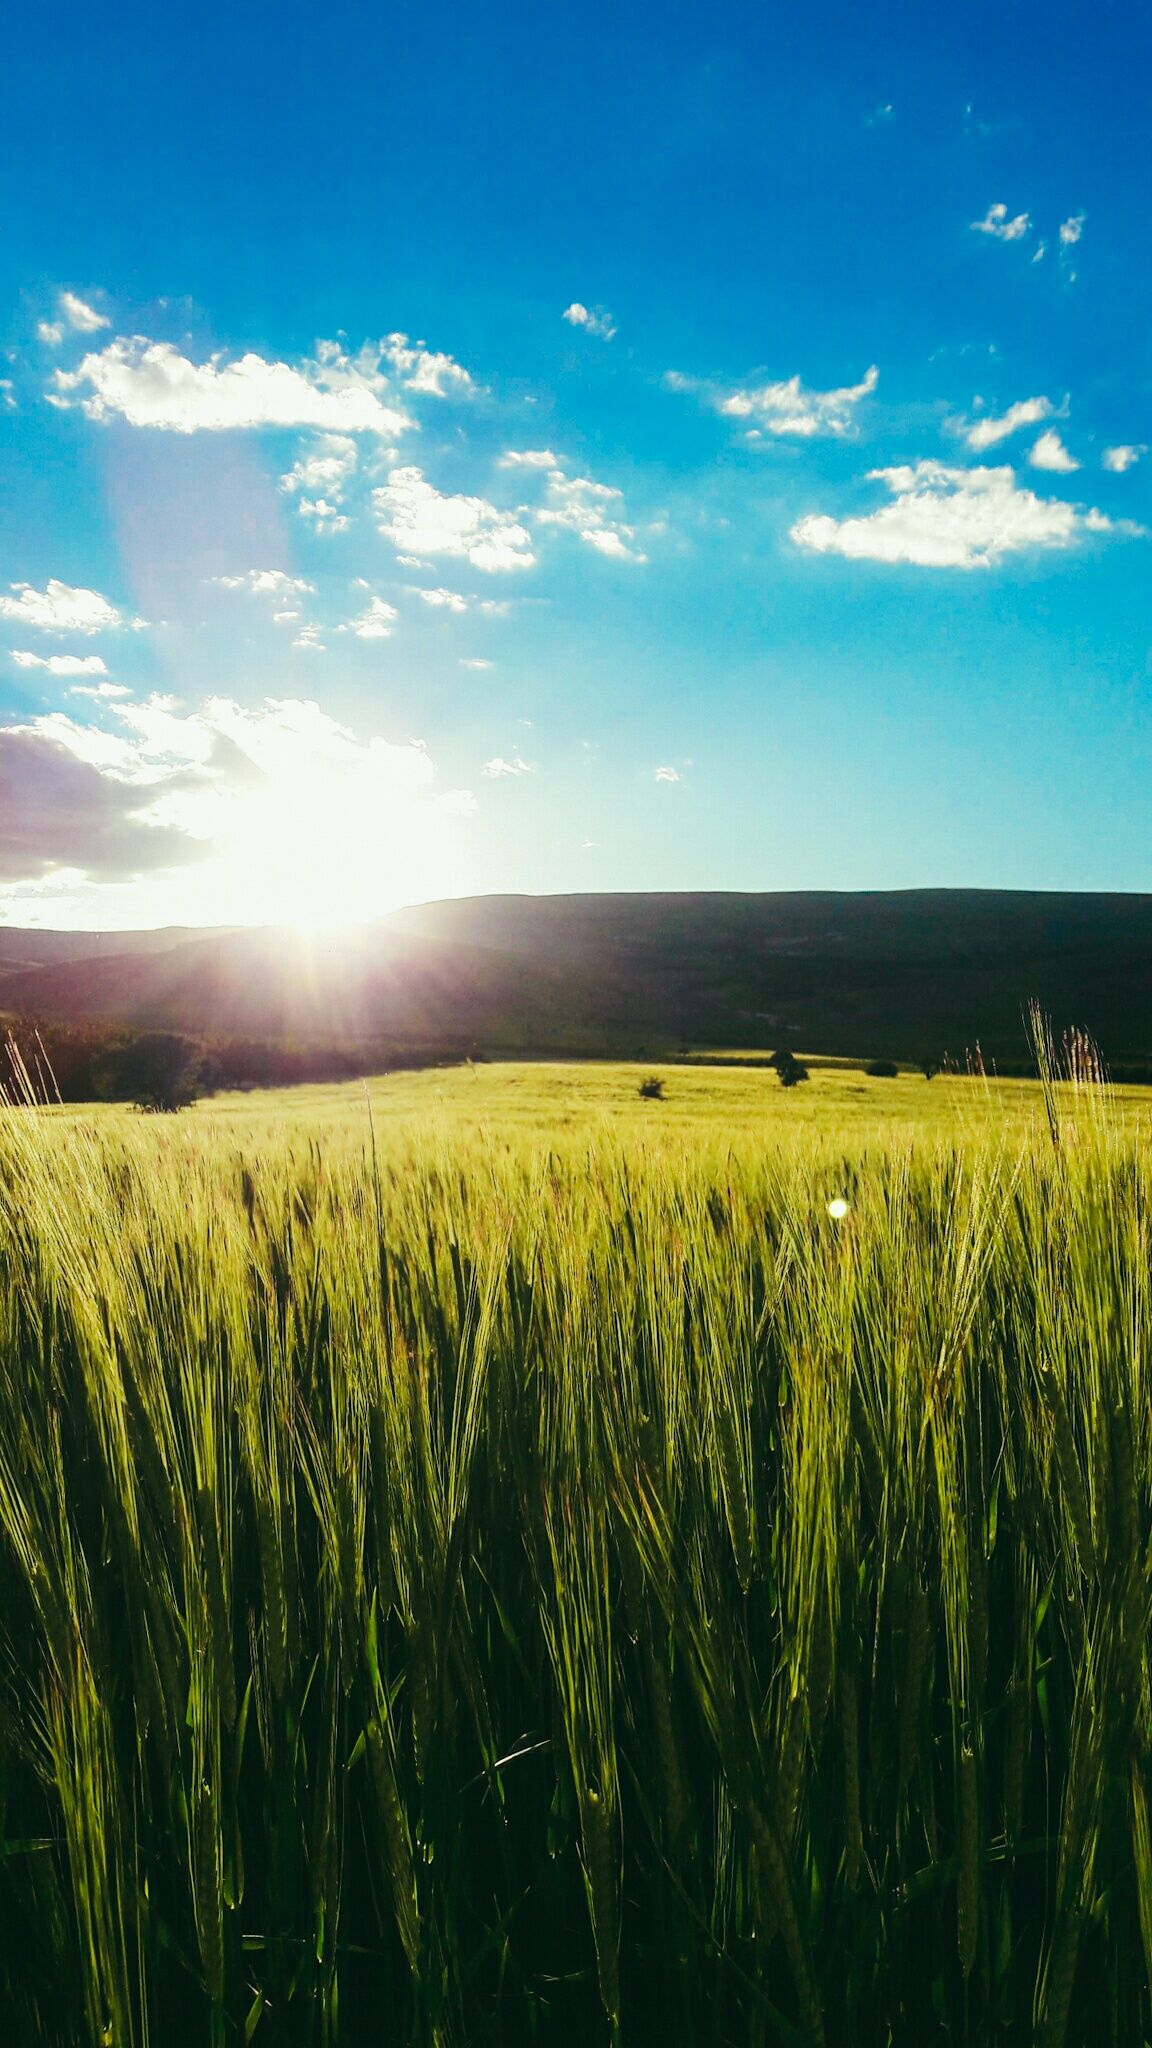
{"points": [[420, 520], [666, 775], [7, 399], [1072, 229], [583, 505], [266, 583], [308, 641], [945, 518], [375, 622], [425, 370], [996, 222], [609, 540], [1122, 458], [61, 664], [99, 691], [441, 599], [319, 480], [528, 458], [785, 407], [277, 813], [81, 317], [325, 517], [60, 608], [59, 808], [474, 661], [74, 314], [1027, 412], [497, 768], [593, 319], [150, 384], [1048, 452]]}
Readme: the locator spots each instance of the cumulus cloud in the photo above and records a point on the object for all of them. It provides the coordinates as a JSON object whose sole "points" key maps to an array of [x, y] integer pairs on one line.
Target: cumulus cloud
{"points": [[60, 608], [266, 583], [308, 641], [419, 520], [150, 384], [375, 622], [474, 661], [1001, 226], [81, 317], [1123, 457], [785, 408], [7, 396], [59, 810], [61, 664], [324, 515], [1027, 412], [74, 314], [1048, 452], [587, 508], [666, 775], [252, 814], [943, 518], [595, 320], [1072, 229], [319, 479], [497, 768], [528, 458], [426, 370], [441, 599]]}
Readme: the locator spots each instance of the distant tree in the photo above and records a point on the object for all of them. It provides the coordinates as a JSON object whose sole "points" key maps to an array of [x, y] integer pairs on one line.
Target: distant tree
{"points": [[160, 1071], [652, 1089], [929, 1069], [882, 1070], [790, 1070]]}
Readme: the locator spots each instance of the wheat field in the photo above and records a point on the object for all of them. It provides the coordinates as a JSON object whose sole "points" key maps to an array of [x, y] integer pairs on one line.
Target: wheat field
{"points": [[484, 1568]]}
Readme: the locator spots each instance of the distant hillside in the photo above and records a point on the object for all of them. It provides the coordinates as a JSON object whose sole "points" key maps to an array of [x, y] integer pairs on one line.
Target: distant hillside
{"points": [[21, 950], [911, 974]]}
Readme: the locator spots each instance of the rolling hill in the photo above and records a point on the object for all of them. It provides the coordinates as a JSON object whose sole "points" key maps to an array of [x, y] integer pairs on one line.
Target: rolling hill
{"points": [[909, 974]]}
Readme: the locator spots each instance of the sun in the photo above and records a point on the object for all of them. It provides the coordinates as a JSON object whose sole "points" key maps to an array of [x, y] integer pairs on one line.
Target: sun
{"points": [[315, 830]]}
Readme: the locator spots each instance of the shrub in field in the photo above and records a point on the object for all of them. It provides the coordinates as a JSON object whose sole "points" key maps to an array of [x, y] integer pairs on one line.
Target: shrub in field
{"points": [[468, 1596], [159, 1070], [651, 1089], [882, 1070], [790, 1070]]}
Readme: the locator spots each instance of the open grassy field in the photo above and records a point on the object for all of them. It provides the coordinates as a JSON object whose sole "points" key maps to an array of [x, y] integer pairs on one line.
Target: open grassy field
{"points": [[490, 1560], [713, 1108]]}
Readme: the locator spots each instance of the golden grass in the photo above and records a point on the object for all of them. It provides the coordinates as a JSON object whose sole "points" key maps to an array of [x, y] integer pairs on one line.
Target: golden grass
{"points": [[489, 1559]]}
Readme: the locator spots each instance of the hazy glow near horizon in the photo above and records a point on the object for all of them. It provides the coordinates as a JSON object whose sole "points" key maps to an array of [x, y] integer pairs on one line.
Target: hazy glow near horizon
{"points": [[275, 816]]}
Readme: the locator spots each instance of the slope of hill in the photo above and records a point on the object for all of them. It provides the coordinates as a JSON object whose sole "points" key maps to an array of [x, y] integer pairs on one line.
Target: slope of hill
{"points": [[910, 974], [22, 950]]}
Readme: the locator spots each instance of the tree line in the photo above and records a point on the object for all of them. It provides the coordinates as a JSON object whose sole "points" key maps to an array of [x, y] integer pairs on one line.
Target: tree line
{"points": [[167, 1070]]}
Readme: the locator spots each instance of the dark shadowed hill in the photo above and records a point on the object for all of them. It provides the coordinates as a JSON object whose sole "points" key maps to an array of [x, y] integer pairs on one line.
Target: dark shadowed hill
{"points": [[911, 974], [21, 950]]}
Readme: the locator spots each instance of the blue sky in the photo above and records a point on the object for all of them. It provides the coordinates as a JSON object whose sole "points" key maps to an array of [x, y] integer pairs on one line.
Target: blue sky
{"points": [[544, 449]]}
